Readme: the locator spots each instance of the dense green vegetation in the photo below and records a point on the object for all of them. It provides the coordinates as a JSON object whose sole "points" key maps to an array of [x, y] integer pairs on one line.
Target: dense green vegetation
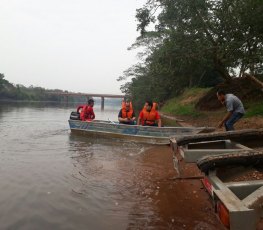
{"points": [[194, 43], [9, 91], [254, 109], [185, 104]]}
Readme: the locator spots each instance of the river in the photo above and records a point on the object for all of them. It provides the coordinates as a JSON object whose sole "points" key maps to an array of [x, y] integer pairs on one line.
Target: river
{"points": [[51, 179]]}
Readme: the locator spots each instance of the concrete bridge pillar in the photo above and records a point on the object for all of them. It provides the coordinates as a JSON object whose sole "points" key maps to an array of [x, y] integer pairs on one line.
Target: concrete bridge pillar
{"points": [[65, 98], [102, 103]]}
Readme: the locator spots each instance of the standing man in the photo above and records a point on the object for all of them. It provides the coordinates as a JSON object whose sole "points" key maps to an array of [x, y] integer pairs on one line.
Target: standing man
{"points": [[149, 116], [87, 113], [234, 107], [126, 114]]}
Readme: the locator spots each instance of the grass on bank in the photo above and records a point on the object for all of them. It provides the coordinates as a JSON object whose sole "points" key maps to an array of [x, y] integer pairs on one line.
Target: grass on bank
{"points": [[185, 104], [254, 109]]}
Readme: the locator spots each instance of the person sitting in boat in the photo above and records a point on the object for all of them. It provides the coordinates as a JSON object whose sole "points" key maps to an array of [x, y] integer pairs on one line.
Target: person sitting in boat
{"points": [[149, 115], [126, 114], [87, 113]]}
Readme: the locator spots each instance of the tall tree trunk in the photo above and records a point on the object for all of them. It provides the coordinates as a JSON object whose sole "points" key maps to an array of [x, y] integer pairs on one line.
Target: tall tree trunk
{"points": [[222, 71], [254, 80]]}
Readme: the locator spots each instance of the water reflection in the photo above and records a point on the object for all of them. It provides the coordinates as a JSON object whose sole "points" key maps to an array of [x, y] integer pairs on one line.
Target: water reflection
{"points": [[109, 172], [125, 177], [37, 171], [52, 179]]}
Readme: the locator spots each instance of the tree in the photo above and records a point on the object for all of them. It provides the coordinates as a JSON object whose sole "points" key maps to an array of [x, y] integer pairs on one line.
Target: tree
{"points": [[193, 38], [2, 81]]}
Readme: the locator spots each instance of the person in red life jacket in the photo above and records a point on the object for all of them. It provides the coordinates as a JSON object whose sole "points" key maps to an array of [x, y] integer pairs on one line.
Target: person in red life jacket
{"points": [[87, 113], [149, 116], [126, 114], [79, 109]]}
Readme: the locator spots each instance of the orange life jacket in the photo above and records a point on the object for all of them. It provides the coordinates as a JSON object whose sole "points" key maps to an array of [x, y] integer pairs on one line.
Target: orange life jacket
{"points": [[148, 117], [124, 113]]}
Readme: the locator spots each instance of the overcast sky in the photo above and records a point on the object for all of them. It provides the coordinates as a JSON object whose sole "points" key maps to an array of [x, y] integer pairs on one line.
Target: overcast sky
{"points": [[75, 45]]}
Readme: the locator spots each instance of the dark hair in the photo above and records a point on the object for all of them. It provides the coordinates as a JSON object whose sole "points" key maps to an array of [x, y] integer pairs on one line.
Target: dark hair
{"points": [[221, 92], [150, 103], [90, 101]]}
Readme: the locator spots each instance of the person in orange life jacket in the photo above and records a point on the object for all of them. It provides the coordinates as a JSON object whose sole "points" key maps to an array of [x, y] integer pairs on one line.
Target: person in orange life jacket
{"points": [[149, 116], [126, 114], [87, 113]]}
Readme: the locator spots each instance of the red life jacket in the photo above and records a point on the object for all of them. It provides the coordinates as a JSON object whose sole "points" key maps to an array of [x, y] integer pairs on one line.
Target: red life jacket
{"points": [[124, 113], [80, 108], [85, 115]]}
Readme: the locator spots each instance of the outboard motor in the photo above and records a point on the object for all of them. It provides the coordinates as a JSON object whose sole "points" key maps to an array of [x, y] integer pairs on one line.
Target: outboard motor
{"points": [[75, 116]]}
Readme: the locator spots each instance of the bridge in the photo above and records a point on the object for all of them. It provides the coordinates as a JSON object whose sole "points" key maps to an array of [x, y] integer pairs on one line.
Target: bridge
{"points": [[88, 96]]}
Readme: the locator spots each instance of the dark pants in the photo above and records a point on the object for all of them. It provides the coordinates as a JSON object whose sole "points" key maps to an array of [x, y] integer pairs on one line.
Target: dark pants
{"points": [[129, 123], [229, 124], [154, 124]]}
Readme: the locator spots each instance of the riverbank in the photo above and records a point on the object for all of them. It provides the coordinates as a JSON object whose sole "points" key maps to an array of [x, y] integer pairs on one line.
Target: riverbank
{"points": [[185, 190], [200, 106], [180, 204], [212, 118]]}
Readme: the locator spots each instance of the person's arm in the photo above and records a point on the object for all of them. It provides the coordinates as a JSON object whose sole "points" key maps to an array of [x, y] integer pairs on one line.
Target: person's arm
{"points": [[229, 106], [80, 107], [120, 119], [226, 117], [83, 114], [123, 119], [158, 118], [93, 114], [90, 113], [139, 119], [133, 116], [159, 123]]}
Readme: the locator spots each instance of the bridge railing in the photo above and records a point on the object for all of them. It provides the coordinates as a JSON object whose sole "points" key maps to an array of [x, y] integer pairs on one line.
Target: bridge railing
{"points": [[88, 95]]}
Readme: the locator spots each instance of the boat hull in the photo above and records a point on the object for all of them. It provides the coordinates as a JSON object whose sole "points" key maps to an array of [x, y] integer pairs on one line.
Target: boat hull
{"points": [[137, 133]]}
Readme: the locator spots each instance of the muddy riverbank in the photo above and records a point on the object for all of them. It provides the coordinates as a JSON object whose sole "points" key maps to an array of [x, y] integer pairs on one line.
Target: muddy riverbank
{"points": [[181, 204]]}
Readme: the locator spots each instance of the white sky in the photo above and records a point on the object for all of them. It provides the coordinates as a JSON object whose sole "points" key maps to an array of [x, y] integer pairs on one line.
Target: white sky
{"points": [[75, 45]]}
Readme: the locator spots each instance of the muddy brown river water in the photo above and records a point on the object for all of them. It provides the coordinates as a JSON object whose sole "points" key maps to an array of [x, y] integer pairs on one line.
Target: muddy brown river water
{"points": [[51, 179]]}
